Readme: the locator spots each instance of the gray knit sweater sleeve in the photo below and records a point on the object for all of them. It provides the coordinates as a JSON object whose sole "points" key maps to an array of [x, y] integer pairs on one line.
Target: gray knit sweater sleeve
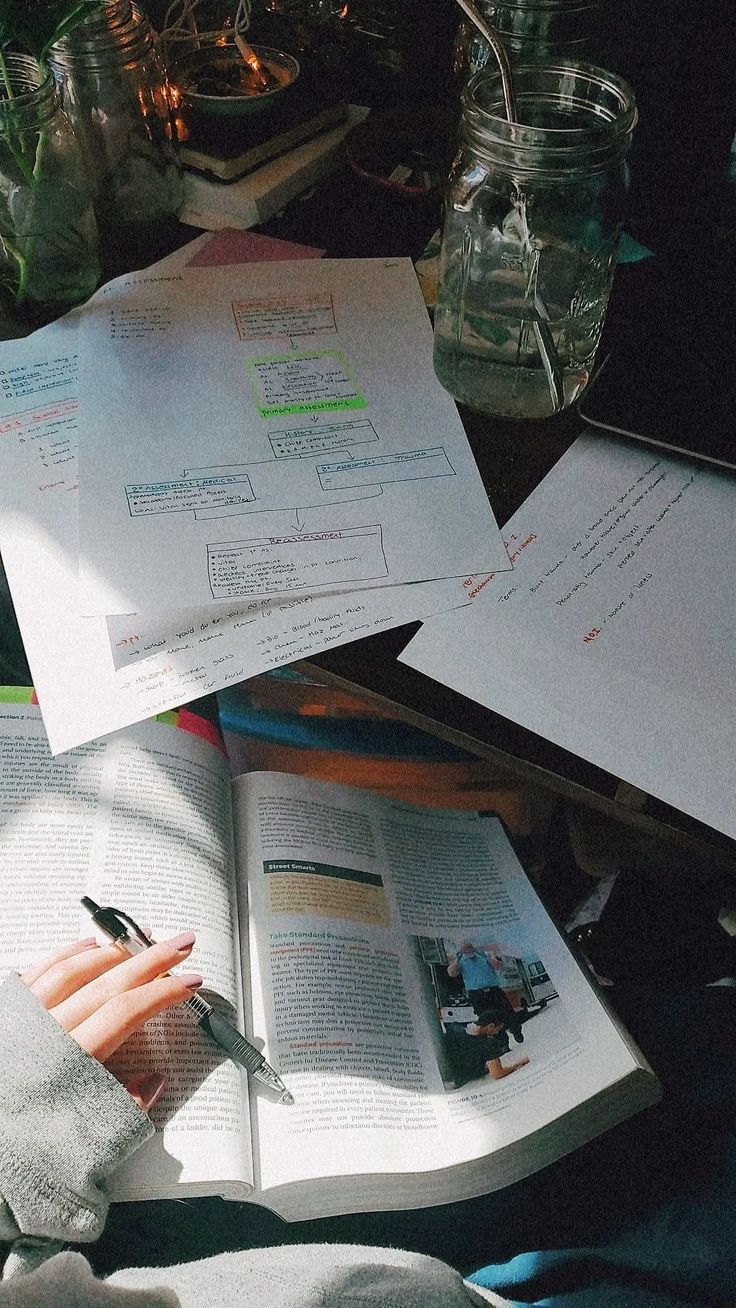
{"points": [[56, 1147], [65, 1124]]}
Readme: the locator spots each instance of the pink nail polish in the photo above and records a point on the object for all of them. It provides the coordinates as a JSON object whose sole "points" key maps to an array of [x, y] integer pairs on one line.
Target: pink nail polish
{"points": [[192, 982], [146, 1088], [89, 942], [183, 941]]}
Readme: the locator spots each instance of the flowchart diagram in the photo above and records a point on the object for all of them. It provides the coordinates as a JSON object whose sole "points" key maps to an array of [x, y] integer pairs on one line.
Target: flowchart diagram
{"points": [[223, 492], [288, 560], [294, 440], [283, 564], [292, 479]]}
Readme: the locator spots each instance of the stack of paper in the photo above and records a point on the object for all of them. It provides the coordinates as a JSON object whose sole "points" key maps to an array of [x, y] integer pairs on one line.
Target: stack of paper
{"points": [[207, 472]]}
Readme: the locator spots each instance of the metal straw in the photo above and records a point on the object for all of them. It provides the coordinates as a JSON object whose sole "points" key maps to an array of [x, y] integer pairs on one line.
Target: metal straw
{"points": [[493, 37], [539, 320]]}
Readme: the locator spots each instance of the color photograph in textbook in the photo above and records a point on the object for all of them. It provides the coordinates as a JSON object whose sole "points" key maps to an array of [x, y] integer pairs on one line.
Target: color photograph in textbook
{"points": [[393, 962]]}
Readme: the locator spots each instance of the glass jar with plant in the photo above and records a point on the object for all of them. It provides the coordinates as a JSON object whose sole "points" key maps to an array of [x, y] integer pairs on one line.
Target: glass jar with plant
{"points": [[49, 253], [115, 93]]}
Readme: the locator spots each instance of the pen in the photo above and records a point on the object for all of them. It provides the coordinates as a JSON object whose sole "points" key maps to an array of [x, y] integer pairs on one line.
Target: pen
{"points": [[123, 931]]}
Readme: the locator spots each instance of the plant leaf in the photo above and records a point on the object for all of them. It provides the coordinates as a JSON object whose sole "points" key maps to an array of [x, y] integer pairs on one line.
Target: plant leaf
{"points": [[34, 25]]}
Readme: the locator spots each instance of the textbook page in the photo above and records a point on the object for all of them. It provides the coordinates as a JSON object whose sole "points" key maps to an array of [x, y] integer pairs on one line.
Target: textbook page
{"points": [[270, 430], [143, 822], [613, 637], [86, 679], [356, 906]]}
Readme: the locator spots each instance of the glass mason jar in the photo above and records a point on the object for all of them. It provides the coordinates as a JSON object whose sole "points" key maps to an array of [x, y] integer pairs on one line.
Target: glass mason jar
{"points": [[533, 211], [115, 93], [531, 30], [49, 253]]}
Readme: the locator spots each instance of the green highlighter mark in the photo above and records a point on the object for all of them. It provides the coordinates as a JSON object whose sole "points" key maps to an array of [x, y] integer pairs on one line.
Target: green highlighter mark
{"points": [[281, 384], [319, 406]]}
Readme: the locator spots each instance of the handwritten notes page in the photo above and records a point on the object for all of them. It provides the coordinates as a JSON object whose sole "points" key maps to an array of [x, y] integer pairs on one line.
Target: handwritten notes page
{"points": [[86, 690], [613, 637], [270, 431], [216, 645]]}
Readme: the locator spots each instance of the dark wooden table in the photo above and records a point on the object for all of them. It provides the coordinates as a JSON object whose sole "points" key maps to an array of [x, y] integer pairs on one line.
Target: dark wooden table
{"points": [[350, 218]]}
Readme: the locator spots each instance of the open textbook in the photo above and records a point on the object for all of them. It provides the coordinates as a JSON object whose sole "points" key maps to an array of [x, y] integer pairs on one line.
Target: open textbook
{"points": [[613, 636], [336, 925]]}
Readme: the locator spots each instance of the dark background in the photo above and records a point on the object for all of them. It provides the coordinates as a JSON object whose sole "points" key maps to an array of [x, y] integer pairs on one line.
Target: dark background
{"points": [[680, 58]]}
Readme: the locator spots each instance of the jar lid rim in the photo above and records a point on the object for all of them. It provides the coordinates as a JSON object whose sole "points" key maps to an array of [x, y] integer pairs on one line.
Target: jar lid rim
{"points": [[521, 134], [37, 84]]}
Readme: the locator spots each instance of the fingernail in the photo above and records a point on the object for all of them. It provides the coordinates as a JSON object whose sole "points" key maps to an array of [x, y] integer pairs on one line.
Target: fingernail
{"points": [[146, 1088], [89, 942], [182, 942], [192, 982]]}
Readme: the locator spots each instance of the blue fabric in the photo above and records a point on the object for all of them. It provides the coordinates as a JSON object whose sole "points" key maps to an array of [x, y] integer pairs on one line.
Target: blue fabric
{"points": [[643, 1217], [477, 972], [378, 738], [667, 1237], [632, 251]]}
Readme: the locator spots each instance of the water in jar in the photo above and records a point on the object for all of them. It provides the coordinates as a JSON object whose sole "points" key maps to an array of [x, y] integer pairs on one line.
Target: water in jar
{"points": [[519, 315]]}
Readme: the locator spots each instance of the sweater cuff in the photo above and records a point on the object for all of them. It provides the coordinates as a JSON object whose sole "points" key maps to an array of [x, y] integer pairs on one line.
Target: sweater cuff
{"points": [[65, 1125]]}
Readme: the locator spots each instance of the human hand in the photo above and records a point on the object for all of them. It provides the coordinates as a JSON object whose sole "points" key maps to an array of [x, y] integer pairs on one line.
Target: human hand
{"points": [[101, 996]]}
